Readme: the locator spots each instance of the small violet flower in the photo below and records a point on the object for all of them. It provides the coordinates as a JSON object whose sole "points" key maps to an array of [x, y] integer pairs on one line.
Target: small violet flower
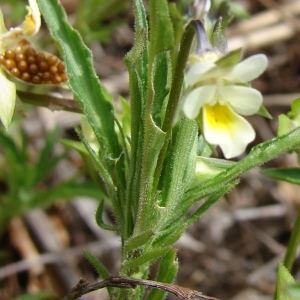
{"points": [[218, 94]]}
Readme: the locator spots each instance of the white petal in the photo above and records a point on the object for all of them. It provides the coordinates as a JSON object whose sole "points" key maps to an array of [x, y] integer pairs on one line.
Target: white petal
{"points": [[223, 127], [196, 71], [7, 99], [244, 100], [2, 30], [32, 22], [248, 69], [196, 99], [2, 25]]}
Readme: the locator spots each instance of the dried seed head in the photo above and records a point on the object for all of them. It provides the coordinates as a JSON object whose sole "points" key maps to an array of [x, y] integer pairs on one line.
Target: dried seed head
{"points": [[33, 66]]}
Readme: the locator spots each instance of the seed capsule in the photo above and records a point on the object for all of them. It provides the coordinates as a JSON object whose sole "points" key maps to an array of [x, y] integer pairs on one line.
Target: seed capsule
{"points": [[30, 65], [9, 54], [22, 65], [25, 77], [30, 51], [9, 64], [20, 56], [15, 72]]}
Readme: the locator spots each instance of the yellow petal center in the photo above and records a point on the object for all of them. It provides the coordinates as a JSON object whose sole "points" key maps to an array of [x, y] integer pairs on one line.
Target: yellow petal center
{"points": [[219, 116]]}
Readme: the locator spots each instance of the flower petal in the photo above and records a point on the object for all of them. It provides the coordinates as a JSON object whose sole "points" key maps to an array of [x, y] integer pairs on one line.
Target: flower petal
{"points": [[2, 25], [248, 69], [196, 71], [2, 30], [32, 22], [223, 127], [196, 99], [7, 99], [244, 100]]}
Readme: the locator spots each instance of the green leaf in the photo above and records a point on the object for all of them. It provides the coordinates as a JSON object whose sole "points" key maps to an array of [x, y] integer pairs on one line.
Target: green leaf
{"points": [[291, 175], [75, 145], [170, 234], [66, 191], [161, 85], [154, 139], [284, 278], [161, 29], [136, 61], [144, 258], [99, 267], [138, 241], [293, 290], [174, 183], [168, 268], [99, 219], [83, 80], [46, 161], [45, 295], [210, 201], [259, 155]]}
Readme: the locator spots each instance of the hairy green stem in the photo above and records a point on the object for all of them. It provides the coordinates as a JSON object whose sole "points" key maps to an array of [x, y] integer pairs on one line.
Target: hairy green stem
{"points": [[175, 93], [293, 244]]}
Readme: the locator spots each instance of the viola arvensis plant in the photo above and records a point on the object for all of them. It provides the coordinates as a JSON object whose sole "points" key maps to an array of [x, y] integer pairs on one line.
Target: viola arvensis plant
{"points": [[20, 60], [219, 93]]}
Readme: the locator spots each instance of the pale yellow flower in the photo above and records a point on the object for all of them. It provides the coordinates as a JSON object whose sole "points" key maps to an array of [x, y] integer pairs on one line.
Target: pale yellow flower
{"points": [[217, 95]]}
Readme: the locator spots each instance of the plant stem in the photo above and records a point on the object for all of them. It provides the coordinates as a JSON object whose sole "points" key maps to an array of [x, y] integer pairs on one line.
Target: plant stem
{"points": [[175, 93], [293, 244], [83, 287], [51, 102]]}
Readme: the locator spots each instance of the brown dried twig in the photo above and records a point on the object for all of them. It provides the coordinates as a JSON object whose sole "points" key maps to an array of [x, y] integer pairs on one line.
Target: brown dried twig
{"points": [[83, 287]]}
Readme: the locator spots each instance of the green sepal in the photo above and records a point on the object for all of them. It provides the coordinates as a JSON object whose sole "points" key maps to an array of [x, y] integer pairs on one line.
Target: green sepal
{"points": [[291, 120], [284, 278], [203, 148], [285, 124], [168, 268], [144, 258], [99, 219], [294, 114], [138, 241], [291, 175], [99, 267], [264, 112], [207, 168], [230, 59], [218, 39]]}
